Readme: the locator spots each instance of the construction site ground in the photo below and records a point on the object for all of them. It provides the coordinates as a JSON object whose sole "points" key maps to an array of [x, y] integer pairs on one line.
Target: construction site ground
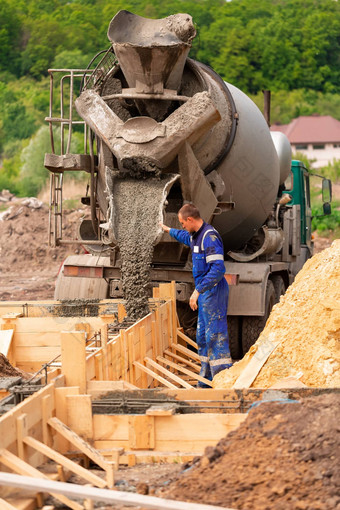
{"points": [[284, 455]]}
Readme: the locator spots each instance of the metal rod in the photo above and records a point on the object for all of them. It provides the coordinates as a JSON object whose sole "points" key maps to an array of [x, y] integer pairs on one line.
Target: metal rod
{"points": [[70, 115]]}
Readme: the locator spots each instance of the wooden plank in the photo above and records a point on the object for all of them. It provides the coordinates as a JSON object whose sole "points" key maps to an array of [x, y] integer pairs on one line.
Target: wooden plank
{"points": [[187, 352], [248, 375], [141, 432], [188, 430], [61, 413], [21, 422], [188, 340], [143, 354], [19, 466], [4, 505], [46, 414], [6, 337], [73, 358], [78, 442], [172, 376], [187, 362], [104, 495], [155, 375], [79, 415], [104, 341], [64, 461], [184, 370]]}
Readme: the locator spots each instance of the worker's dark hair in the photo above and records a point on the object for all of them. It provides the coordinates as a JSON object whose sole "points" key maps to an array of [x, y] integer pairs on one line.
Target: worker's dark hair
{"points": [[189, 210]]}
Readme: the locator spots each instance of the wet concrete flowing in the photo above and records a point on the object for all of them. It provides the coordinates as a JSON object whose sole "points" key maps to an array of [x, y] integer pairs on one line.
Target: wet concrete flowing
{"points": [[136, 213]]}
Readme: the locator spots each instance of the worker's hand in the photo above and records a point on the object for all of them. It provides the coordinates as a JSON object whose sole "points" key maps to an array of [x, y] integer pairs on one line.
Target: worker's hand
{"points": [[193, 300], [164, 227]]}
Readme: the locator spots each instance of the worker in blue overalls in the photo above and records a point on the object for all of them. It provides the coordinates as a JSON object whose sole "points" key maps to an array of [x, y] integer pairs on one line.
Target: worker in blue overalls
{"points": [[211, 289]]}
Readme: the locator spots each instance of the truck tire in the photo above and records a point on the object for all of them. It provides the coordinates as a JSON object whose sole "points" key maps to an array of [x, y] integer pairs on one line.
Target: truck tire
{"points": [[252, 326], [279, 286], [234, 330]]}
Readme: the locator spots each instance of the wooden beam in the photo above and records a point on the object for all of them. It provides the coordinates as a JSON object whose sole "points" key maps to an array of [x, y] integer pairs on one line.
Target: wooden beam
{"points": [[64, 461], [107, 496], [78, 442], [172, 376], [248, 375], [19, 466], [187, 362], [84, 447], [155, 376], [188, 340], [184, 370], [187, 352]]}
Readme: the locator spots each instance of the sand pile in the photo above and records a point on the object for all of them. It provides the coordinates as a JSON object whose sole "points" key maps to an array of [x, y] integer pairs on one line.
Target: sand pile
{"points": [[306, 322], [283, 456]]}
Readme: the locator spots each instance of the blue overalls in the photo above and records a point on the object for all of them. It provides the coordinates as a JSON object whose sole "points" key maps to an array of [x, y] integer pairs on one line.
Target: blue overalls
{"points": [[208, 271]]}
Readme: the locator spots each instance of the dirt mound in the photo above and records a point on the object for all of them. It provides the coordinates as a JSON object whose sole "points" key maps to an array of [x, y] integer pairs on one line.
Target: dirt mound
{"points": [[285, 455], [26, 260], [306, 325], [7, 370]]}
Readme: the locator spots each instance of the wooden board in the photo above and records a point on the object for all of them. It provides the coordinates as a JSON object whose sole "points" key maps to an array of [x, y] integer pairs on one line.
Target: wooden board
{"points": [[247, 377], [6, 337], [107, 496]]}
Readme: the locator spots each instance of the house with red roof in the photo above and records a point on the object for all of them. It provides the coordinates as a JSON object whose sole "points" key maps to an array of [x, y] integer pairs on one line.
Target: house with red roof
{"points": [[316, 136]]}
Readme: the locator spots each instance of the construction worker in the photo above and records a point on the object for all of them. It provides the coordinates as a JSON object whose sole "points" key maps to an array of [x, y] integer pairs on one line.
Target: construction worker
{"points": [[211, 289]]}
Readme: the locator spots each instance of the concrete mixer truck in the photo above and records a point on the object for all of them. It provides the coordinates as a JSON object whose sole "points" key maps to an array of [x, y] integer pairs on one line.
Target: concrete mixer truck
{"points": [[161, 129]]}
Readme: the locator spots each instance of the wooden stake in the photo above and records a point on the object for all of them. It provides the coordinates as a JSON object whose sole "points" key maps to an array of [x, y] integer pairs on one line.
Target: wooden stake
{"points": [[143, 354], [73, 358]]}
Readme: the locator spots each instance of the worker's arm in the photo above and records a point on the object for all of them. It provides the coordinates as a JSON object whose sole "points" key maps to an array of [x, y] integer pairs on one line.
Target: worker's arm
{"points": [[180, 235], [213, 248]]}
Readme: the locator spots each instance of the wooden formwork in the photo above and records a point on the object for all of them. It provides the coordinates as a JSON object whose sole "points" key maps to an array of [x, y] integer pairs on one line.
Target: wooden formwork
{"points": [[149, 367], [150, 353]]}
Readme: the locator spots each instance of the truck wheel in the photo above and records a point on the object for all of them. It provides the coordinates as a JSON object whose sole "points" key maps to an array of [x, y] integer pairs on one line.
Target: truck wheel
{"points": [[253, 326], [234, 330], [279, 286]]}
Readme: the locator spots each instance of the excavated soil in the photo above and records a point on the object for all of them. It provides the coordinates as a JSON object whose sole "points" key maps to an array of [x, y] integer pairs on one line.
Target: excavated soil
{"points": [[285, 455], [306, 325], [28, 266]]}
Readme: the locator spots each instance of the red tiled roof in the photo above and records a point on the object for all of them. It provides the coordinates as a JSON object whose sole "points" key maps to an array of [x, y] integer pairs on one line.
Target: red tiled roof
{"points": [[313, 129]]}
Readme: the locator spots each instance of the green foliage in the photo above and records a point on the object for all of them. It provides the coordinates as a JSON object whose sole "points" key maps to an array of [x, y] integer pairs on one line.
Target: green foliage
{"points": [[288, 46], [33, 174], [324, 224], [288, 105]]}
